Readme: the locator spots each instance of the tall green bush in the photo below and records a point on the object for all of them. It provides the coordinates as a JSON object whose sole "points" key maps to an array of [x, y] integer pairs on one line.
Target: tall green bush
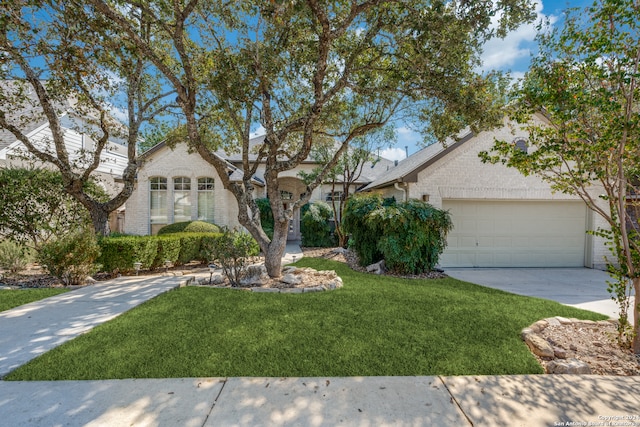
{"points": [[71, 258], [168, 250], [364, 235], [35, 208], [410, 236], [189, 247], [315, 226]]}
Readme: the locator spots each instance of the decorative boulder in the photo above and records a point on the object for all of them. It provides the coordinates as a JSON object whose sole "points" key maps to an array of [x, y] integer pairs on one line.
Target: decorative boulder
{"points": [[569, 366], [377, 268], [538, 345]]}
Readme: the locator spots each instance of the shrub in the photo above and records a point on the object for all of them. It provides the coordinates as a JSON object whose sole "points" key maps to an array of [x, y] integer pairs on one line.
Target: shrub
{"points": [[232, 252], [364, 235], [409, 236], [168, 250], [13, 256], [415, 234], [266, 216], [189, 227], [315, 226], [189, 247], [208, 245], [120, 253], [71, 258], [35, 208]]}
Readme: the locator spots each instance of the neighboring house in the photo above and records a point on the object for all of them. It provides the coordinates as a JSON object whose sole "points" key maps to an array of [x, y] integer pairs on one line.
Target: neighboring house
{"points": [[30, 118], [501, 218], [175, 185]]}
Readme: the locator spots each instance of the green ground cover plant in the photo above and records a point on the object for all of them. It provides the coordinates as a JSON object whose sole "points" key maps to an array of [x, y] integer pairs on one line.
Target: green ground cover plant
{"points": [[13, 298], [372, 326]]}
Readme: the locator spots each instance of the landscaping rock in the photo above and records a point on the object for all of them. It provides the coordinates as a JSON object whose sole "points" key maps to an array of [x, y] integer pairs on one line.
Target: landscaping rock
{"points": [[559, 353], [217, 279], [539, 325], [291, 279], [377, 268], [538, 345], [552, 321], [569, 366]]}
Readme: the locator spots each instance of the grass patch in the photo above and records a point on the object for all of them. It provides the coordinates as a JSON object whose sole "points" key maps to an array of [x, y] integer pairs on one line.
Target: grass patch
{"points": [[373, 326], [17, 297]]}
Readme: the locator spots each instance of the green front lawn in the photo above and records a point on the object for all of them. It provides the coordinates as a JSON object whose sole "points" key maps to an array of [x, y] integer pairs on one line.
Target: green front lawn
{"points": [[14, 298], [373, 326]]}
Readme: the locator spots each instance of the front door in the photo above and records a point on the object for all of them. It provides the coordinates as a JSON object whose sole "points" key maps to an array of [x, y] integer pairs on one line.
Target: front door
{"points": [[294, 225]]}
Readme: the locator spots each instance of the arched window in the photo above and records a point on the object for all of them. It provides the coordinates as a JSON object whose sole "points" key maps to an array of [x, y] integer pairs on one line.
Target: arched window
{"points": [[521, 144], [157, 202], [205, 199], [181, 199]]}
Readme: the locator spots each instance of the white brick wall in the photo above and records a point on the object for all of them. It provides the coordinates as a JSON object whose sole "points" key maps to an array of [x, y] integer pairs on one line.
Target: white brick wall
{"points": [[179, 162], [170, 164]]}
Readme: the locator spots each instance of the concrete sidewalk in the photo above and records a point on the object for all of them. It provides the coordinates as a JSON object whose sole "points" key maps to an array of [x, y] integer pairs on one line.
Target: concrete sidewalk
{"points": [[529, 401], [32, 329]]}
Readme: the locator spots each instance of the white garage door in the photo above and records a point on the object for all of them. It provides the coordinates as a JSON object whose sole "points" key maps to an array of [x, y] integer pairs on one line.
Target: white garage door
{"points": [[515, 234]]}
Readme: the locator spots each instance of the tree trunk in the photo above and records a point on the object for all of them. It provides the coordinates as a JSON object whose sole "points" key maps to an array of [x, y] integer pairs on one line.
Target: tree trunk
{"points": [[636, 316], [273, 256], [100, 220]]}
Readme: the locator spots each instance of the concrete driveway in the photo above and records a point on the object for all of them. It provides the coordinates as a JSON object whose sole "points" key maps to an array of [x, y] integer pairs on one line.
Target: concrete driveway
{"points": [[578, 287]]}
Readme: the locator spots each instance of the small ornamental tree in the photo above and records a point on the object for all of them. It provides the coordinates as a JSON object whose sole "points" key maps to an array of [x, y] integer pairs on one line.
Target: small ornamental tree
{"points": [[34, 208], [586, 82], [410, 236]]}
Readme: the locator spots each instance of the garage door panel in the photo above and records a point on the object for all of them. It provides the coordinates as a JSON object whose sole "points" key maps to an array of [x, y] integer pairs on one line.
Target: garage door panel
{"points": [[515, 234]]}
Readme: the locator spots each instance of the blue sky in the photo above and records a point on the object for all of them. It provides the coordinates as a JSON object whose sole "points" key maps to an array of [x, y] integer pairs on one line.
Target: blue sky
{"points": [[510, 54]]}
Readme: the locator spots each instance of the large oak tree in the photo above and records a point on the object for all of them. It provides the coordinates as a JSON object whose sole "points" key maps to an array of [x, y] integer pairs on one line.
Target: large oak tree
{"points": [[59, 60], [313, 69]]}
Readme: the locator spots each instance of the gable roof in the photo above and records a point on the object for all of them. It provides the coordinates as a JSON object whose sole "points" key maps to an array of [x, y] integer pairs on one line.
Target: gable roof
{"points": [[407, 170], [235, 174]]}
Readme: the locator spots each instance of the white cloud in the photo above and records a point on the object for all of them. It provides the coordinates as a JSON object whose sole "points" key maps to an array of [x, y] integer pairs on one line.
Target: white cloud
{"points": [[516, 46], [393, 153], [120, 114]]}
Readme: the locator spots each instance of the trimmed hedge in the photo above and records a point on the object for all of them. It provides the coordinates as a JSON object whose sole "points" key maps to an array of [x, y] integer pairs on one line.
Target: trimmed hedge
{"points": [[120, 253], [189, 227]]}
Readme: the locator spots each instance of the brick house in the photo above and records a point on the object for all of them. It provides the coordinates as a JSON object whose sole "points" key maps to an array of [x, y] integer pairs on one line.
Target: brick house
{"points": [[501, 218], [175, 185]]}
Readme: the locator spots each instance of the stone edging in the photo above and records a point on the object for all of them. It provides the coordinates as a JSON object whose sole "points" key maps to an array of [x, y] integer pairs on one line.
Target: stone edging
{"points": [[557, 357], [289, 283], [322, 288]]}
